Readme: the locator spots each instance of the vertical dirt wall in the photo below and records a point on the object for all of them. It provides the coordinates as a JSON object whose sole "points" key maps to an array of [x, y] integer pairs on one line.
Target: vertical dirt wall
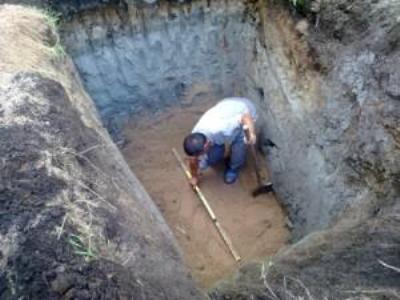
{"points": [[144, 58], [329, 102], [333, 113]]}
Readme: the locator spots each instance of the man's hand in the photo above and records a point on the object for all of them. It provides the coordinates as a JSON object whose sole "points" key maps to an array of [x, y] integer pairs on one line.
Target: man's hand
{"points": [[194, 181], [249, 129], [194, 171], [251, 138]]}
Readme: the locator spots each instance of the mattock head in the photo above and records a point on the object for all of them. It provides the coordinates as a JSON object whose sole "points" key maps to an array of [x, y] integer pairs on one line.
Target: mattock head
{"points": [[263, 189]]}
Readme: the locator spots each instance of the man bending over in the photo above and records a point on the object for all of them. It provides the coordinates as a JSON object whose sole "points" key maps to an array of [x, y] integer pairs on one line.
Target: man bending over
{"points": [[222, 124]]}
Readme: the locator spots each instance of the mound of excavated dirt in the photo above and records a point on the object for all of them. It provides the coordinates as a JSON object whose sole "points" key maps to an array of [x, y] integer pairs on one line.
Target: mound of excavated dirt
{"points": [[255, 225], [74, 221]]}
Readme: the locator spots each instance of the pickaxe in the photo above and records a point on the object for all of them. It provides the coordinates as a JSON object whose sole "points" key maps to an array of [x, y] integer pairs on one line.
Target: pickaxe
{"points": [[264, 185]]}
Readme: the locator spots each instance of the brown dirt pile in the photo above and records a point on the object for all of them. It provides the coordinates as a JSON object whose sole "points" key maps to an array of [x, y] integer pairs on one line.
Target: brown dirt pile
{"points": [[75, 223]]}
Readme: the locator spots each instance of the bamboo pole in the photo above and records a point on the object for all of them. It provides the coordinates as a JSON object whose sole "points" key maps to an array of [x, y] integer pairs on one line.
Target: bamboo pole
{"points": [[208, 208]]}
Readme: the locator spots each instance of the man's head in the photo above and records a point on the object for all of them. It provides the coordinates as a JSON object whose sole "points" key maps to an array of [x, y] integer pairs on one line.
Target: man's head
{"points": [[195, 144]]}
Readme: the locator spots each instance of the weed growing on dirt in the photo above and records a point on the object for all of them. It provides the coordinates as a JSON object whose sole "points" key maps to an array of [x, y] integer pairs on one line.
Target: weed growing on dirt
{"points": [[307, 7], [87, 239], [54, 19], [59, 50], [297, 286], [298, 3], [82, 244], [81, 247], [11, 282]]}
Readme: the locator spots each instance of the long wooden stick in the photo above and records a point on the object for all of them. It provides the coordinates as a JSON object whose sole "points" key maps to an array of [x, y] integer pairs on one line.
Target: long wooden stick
{"points": [[210, 212]]}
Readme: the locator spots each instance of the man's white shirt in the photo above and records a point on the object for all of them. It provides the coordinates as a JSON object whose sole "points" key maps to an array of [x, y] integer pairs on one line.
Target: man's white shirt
{"points": [[222, 123]]}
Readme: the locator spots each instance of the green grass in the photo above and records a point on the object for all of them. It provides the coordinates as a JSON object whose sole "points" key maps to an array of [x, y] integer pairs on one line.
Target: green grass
{"points": [[299, 5], [54, 20], [59, 50], [81, 247]]}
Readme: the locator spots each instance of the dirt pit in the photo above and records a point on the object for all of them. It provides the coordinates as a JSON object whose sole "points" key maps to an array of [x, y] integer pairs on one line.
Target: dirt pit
{"points": [[256, 226]]}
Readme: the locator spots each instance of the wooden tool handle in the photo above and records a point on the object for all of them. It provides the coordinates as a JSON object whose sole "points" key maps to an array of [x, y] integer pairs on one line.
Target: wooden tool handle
{"points": [[209, 210], [254, 156]]}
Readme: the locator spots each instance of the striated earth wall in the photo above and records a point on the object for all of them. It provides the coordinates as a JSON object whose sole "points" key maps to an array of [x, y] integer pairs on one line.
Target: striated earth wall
{"points": [[338, 166], [143, 59], [328, 98]]}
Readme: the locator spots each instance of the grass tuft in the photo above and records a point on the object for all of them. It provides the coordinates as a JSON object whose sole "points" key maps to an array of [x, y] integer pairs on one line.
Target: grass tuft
{"points": [[301, 6], [82, 246], [53, 17], [54, 20], [59, 50]]}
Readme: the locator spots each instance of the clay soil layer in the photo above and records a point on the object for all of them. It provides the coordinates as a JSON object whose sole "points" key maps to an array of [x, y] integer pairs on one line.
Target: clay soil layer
{"points": [[255, 225]]}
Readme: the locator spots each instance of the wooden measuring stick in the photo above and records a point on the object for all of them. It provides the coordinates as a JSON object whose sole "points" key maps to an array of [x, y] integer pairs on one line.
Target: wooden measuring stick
{"points": [[210, 212], [227, 241], [196, 187]]}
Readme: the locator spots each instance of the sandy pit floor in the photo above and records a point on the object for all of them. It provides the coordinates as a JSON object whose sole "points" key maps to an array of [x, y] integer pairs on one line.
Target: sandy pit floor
{"points": [[255, 225]]}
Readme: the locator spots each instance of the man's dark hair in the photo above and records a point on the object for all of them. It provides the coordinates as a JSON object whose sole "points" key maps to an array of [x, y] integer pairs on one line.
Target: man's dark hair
{"points": [[194, 143]]}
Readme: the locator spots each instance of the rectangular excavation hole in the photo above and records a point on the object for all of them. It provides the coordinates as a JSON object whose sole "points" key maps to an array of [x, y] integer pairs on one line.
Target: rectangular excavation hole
{"points": [[152, 71]]}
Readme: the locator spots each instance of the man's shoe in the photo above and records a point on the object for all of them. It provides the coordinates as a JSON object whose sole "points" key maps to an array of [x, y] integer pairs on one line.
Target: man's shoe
{"points": [[230, 176]]}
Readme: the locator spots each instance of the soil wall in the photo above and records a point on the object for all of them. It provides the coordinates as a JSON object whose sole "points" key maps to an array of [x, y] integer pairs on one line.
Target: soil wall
{"points": [[339, 157], [325, 85], [75, 223], [138, 59]]}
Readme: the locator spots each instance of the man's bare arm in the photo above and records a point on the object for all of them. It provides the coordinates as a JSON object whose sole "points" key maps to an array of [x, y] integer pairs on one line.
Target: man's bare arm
{"points": [[248, 123], [194, 170]]}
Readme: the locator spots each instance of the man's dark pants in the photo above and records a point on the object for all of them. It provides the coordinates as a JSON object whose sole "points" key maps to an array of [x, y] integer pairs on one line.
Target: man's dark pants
{"points": [[237, 157]]}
